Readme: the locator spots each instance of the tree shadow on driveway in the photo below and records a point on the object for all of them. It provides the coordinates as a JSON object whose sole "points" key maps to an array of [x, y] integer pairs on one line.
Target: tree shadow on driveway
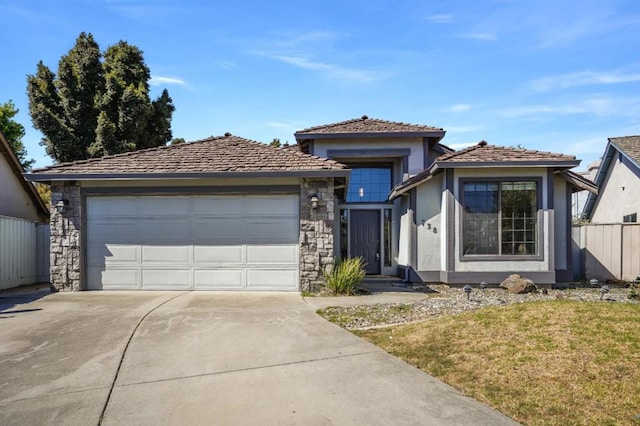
{"points": [[13, 298]]}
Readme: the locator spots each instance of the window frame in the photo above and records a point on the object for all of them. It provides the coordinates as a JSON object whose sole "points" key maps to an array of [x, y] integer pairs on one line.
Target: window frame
{"points": [[371, 165], [539, 255], [630, 218]]}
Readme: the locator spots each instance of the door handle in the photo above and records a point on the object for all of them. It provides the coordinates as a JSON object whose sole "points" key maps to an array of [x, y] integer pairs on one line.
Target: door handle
{"points": [[377, 256]]}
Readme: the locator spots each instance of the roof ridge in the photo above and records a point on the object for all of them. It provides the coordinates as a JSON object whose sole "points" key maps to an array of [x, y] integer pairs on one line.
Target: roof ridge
{"points": [[365, 118]]}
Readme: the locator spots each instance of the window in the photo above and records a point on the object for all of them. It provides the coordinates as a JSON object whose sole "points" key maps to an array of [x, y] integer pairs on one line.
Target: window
{"points": [[387, 237], [369, 185], [630, 218], [500, 218]]}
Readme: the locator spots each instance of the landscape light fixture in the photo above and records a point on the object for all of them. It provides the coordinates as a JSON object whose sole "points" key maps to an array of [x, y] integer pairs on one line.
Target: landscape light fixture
{"points": [[483, 286], [604, 290], [62, 206], [467, 289]]}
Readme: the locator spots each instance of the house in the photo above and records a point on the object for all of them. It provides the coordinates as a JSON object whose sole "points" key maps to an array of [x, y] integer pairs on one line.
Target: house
{"points": [[18, 197], [419, 210], [227, 213], [619, 181], [23, 229]]}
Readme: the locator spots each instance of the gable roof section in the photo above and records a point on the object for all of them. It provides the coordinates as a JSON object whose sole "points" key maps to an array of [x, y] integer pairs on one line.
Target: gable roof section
{"points": [[368, 127], [626, 146], [222, 156], [484, 155], [11, 158]]}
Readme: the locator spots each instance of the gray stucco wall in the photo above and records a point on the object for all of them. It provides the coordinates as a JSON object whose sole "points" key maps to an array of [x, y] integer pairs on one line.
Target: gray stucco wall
{"points": [[14, 201]]}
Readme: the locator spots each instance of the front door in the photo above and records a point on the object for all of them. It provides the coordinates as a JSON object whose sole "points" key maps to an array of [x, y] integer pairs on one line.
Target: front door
{"points": [[365, 238]]}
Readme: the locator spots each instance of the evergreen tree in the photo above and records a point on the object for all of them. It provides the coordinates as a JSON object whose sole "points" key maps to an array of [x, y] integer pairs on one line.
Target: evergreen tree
{"points": [[92, 108]]}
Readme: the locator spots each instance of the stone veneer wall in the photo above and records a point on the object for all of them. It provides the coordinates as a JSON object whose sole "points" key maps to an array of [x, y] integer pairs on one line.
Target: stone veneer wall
{"points": [[316, 233], [65, 238]]}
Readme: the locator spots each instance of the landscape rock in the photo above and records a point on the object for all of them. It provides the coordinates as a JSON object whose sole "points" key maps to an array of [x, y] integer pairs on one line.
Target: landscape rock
{"points": [[517, 284]]}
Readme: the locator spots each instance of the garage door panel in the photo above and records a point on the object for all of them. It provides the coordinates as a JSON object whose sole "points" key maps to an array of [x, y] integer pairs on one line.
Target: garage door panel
{"points": [[268, 279], [273, 206], [166, 254], [225, 231], [112, 207], [166, 278], [113, 253], [165, 230], [126, 279], [277, 231], [164, 206], [272, 254], [218, 254], [114, 232], [222, 279], [218, 206]]}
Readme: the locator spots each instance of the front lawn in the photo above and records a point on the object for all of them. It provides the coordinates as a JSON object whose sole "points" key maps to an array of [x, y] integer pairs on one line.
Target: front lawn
{"points": [[557, 362]]}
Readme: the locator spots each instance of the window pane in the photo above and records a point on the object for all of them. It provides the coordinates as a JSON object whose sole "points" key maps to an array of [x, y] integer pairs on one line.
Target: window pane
{"points": [[369, 184], [387, 237], [480, 226], [518, 212], [344, 234]]}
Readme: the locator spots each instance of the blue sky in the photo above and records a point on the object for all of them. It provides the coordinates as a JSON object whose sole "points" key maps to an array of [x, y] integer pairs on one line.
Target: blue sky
{"points": [[553, 75]]}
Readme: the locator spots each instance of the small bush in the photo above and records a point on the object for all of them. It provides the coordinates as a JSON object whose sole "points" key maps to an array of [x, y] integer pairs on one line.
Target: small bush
{"points": [[345, 275], [633, 289]]}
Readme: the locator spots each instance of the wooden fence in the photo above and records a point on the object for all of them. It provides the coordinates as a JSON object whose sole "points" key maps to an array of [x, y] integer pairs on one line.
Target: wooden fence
{"points": [[606, 251], [24, 252]]}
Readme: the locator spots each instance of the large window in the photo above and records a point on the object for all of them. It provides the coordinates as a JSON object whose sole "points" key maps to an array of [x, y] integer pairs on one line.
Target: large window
{"points": [[369, 185], [500, 218]]}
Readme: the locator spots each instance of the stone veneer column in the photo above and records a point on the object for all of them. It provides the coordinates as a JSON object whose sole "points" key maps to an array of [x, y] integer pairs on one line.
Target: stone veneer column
{"points": [[316, 233], [65, 238]]}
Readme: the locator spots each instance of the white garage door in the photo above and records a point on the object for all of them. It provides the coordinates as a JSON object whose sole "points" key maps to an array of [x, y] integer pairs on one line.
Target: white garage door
{"points": [[195, 242]]}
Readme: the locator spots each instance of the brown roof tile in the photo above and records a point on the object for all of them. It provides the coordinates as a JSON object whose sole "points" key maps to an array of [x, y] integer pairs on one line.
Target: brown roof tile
{"points": [[215, 154], [368, 125], [630, 145], [485, 153]]}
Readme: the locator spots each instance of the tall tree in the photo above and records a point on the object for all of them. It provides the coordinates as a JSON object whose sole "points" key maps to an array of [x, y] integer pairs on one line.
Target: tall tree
{"points": [[92, 108], [14, 132]]}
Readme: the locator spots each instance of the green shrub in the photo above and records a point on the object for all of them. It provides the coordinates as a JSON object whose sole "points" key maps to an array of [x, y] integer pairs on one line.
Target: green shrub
{"points": [[345, 275], [633, 289]]}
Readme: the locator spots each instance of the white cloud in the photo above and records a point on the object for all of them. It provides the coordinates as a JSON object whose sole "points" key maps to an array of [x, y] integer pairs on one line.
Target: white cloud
{"points": [[460, 107], [279, 125], [583, 78], [440, 19], [461, 145], [227, 65], [330, 69], [599, 106], [478, 36], [157, 80]]}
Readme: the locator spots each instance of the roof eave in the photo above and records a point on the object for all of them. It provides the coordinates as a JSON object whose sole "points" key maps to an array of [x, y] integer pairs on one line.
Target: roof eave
{"points": [[51, 177], [568, 164]]}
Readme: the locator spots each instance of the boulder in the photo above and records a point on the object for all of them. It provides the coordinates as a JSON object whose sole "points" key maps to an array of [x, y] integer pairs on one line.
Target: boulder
{"points": [[517, 284]]}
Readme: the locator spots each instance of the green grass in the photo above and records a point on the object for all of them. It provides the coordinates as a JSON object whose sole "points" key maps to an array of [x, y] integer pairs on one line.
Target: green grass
{"points": [[541, 363]]}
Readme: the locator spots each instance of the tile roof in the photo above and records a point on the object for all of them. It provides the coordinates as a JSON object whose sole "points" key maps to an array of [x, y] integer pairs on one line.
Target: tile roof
{"points": [[226, 153], [630, 145], [485, 153], [365, 124]]}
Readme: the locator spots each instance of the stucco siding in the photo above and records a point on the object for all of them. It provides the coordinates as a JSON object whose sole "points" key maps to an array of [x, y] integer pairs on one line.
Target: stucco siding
{"points": [[14, 201], [416, 158], [429, 224], [560, 223], [618, 196]]}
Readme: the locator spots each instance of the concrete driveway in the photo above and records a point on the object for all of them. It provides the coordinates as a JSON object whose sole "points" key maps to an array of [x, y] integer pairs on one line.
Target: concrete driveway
{"points": [[205, 358]]}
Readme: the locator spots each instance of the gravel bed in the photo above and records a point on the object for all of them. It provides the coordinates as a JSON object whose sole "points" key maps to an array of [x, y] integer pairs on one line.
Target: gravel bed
{"points": [[444, 300]]}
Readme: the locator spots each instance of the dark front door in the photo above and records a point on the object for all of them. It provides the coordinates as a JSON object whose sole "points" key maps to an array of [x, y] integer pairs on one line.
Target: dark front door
{"points": [[365, 238]]}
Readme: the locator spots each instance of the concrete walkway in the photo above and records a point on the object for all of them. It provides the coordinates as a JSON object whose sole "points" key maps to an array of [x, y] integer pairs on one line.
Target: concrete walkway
{"points": [[205, 358]]}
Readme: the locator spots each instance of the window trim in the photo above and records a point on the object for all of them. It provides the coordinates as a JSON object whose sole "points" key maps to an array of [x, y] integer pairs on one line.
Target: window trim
{"points": [[497, 257], [630, 218]]}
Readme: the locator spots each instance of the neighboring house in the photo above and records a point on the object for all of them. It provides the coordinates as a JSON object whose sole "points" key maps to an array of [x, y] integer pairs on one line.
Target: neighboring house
{"points": [[579, 199], [18, 197], [619, 181], [23, 217], [229, 213]]}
